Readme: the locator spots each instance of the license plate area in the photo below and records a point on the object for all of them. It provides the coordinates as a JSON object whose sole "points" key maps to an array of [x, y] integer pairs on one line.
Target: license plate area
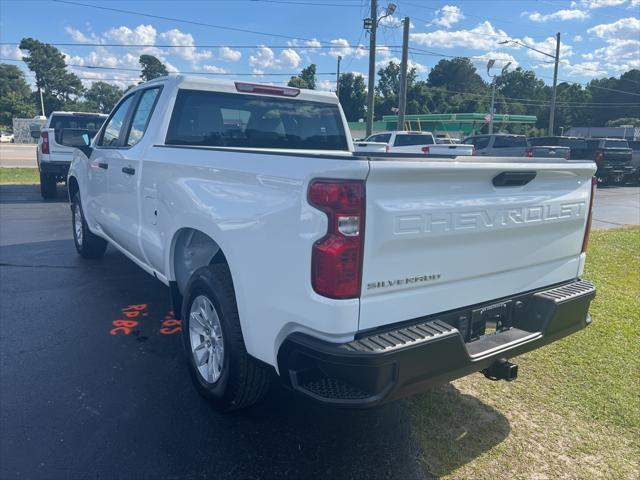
{"points": [[487, 320]]}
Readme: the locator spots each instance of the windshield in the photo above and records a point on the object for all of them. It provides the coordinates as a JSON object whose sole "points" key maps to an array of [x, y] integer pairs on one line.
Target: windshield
{"points": [[82, 122], [252, 121]]}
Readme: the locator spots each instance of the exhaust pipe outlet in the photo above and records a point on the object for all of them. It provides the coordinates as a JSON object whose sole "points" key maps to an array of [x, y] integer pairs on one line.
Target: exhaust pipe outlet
{"points": [[501, 370]]}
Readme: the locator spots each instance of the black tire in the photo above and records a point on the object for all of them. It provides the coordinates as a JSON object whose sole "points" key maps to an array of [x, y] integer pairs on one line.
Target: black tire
{"points": [[243, 379], [88, 245], [48, 186]]}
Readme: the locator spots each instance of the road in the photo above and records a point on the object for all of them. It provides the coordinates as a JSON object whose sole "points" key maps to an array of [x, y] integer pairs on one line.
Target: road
{"points": [[17, 155], [616, 206], [77, 402]]}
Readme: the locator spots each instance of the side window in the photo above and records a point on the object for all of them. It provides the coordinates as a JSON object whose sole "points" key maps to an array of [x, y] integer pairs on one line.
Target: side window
{"points": [[141, 117], [470, 141], [384, 137], [113, 130], [481, 142], [373, 138]]}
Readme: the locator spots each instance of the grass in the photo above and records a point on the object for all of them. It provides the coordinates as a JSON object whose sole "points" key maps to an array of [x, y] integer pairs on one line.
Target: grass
{"points": [[574, 411], [10, 175]]}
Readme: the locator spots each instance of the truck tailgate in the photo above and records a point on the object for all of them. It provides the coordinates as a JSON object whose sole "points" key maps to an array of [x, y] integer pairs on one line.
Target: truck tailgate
{"points": [[440, 235]]}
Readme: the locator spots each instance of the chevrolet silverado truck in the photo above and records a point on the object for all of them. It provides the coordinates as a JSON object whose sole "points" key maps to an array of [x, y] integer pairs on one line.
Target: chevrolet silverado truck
{"points": [[54, 152], [410, 142], [355, 279], [613, 158]]}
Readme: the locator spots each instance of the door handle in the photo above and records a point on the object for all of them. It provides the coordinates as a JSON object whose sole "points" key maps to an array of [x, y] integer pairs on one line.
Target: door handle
{"points": [[513, 179], [129, 170], [103, 166]]}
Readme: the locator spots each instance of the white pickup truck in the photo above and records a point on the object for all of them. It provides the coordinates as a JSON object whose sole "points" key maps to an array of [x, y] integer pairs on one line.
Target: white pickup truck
{"points": [[410, 142], [356, 279], [54, 152]]}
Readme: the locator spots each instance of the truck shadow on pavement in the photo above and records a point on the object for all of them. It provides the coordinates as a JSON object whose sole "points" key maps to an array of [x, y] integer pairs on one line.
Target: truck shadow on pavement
{"points": [[82, 399]]}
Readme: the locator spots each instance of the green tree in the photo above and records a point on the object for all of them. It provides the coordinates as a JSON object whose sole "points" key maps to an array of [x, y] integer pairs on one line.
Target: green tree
{"points": [[151, 68], [624, 121], [388, 91], [353, 96], [102, 96], [458, 75], [47, 62], [15, 95], [306, 78]]}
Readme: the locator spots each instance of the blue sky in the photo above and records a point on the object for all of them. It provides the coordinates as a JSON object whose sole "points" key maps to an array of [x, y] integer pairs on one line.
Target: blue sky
{"points": [[279, 37]]}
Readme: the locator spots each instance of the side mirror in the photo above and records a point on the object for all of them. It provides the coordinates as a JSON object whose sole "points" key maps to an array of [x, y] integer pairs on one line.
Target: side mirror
{"points": [[35, 131], [77, 138]]}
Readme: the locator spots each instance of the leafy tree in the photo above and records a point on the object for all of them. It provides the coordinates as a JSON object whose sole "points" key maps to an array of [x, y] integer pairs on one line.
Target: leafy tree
{"points": [[151, 68], [48, 64], [624, 121], [458, 75], [15, 95], [306, 79], [353, 96], [102, 96]]}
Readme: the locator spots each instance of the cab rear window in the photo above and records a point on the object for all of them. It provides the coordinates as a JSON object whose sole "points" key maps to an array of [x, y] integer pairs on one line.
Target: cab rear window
{"points": [[219, 119], [82, 122], [507, 142], [404, 140]]}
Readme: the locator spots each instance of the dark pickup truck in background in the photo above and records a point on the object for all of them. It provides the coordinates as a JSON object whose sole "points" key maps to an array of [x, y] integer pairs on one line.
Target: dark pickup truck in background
{"points": [[577, 145], [613, 158]]}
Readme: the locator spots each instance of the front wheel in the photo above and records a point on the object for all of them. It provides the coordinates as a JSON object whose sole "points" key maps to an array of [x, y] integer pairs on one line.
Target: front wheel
{"points": [[87, 244], [220, 367]]}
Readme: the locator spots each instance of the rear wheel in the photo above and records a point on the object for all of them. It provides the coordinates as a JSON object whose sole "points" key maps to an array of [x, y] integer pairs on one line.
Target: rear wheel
{"points": [[87, 244], [220, 367], [48, 186]]}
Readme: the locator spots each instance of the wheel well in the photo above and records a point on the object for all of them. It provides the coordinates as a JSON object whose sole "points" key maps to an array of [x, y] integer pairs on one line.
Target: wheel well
{"points": [[193, 249], [73, 187]]}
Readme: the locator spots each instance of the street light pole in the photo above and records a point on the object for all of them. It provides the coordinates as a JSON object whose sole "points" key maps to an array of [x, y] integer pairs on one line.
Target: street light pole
{"points": [[402, 108], [493, 99], [372, 65], [552, 113]]}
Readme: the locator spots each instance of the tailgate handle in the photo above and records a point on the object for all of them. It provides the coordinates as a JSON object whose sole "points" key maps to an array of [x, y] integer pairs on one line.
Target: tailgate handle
{"points": [[513, 179]]}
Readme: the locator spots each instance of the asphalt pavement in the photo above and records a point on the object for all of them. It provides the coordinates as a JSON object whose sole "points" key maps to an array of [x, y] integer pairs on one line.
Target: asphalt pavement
{"points": [[80, 399], [17, 155]]}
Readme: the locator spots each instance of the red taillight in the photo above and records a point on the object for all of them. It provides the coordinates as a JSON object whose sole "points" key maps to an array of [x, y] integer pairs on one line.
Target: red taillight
{"points": [[529, 153], [45, 142], [569, 155], [599, 156], [267, 89], [425, 150], [587, 231], [387, 148], [473, 150], [336, 261]]}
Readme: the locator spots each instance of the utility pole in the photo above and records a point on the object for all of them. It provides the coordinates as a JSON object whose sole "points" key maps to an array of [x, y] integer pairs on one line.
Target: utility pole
{"points": [[552, 113], [338, 78], [492, 109], [402, 110], [372, 65]]}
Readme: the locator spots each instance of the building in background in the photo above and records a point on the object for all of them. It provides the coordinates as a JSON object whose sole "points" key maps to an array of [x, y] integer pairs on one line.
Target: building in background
{"points": [[630, 132]]}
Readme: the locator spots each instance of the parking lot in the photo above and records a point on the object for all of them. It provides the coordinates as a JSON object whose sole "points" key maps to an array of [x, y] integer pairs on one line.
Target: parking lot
{"points": [[80, 399]]}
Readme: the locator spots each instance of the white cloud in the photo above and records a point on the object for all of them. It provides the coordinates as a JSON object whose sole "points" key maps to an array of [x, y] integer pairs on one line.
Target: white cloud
{"points": [[482, 37], [420, 68], [584, 69], [78, 36], [447, 16], [314, 43], [562, 15], [622, 29], [11, 52], [391, 21], [265, 58], [547, 45], [185, 43], [344, 49], [142, 34], [501, 58], [327, 85], [577, 38], [213, 69], [602, 3], [229, 55]]}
